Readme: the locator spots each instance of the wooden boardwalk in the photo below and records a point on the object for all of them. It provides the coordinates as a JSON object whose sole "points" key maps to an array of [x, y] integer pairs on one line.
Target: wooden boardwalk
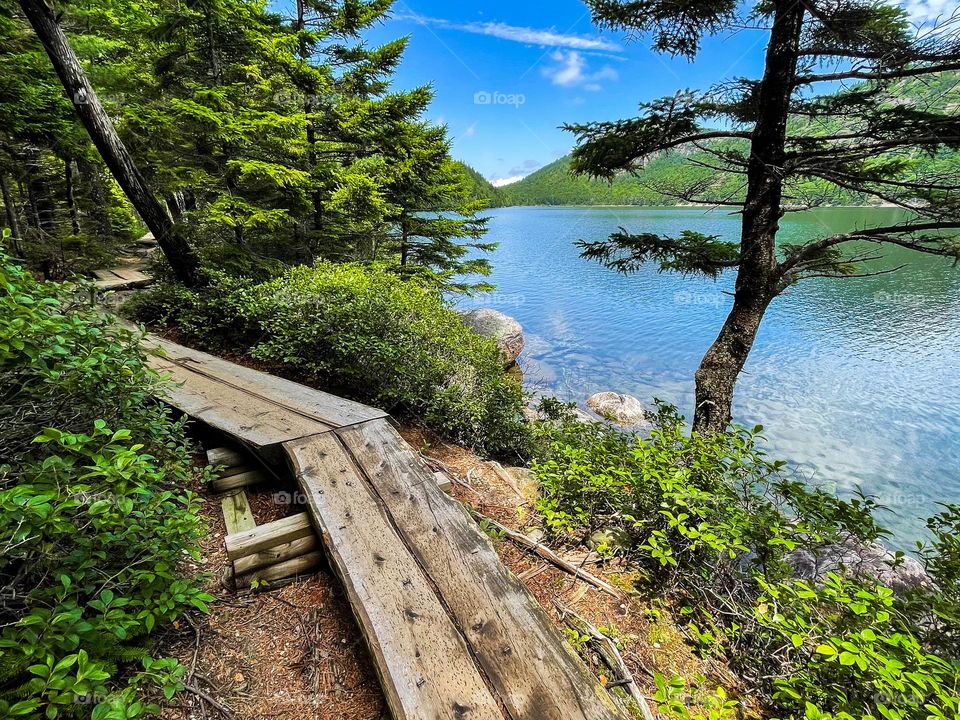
{"points": [[452, 632]]}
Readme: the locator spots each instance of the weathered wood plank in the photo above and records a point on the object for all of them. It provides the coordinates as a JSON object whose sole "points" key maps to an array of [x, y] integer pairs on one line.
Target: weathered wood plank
{"points": [[129, 273], [425, 668], [236, 470], [106, 274], [275, 555], [269, 535], [294, 566], [536, 675], [228, 457], [295, 399], [238, 480], [237, 514], [234, 411], [121, 284]]}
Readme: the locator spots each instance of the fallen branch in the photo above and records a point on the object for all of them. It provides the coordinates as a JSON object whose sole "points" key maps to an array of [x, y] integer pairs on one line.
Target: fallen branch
{"points": [[224, 710], [549, 555], [607, 650], [501, 473]]}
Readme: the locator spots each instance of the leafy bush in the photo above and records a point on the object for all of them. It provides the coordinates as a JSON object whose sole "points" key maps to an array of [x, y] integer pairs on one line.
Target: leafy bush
{"points": [[93, 515], [712, 522], [362, 332]]}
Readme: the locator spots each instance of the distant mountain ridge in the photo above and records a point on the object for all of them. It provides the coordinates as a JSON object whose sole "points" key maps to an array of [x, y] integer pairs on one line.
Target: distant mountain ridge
{"points": [[553, 184]]}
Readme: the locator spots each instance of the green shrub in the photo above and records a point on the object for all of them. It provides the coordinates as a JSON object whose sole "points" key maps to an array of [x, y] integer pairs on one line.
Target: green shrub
{"points": [[94, 517], [362, 332], [711, 521]]}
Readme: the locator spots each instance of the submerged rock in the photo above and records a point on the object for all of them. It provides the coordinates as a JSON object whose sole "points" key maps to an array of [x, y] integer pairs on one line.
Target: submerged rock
{"points": [[502, 329], [860, 559], [622, 409]]}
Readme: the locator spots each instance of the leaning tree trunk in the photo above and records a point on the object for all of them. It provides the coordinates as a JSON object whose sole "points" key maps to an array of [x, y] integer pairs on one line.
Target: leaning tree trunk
{"points": [[758, 277], [183, 261]]}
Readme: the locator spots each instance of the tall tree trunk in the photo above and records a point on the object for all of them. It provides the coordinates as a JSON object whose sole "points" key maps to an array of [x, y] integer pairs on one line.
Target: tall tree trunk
{"points": [[175, 206], [308, 107], [183, 261], [212, 49], [12, 221], [96, 194], [757, 277], [71, 195]]}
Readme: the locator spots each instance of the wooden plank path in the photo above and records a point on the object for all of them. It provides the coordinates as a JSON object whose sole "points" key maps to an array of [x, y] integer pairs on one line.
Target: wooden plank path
{"points": [[452, 632], [120, 278]]}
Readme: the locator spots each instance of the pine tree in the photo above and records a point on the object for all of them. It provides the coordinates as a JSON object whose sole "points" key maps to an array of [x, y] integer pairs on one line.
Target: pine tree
{"points": [[434, 219], [781, 131]]}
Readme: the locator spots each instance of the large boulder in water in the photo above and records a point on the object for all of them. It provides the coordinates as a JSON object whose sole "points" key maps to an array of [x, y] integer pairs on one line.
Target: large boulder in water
{"points": [[502, 329], [861, 559], [622, 409]]}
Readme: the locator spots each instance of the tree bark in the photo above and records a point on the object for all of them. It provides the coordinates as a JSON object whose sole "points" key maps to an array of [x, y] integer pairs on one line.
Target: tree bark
{"points": [[11, 210], [183, 261], [71, 196], [758, 275]]}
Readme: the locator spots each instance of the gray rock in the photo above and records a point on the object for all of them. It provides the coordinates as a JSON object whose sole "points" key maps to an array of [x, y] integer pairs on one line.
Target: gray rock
{"points": [[622, 409], [504, 330], [536, 535], [860, 559]]}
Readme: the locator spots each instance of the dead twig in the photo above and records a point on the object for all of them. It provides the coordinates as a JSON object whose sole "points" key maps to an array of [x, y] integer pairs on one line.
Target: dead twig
{"points": [[549, 555]]}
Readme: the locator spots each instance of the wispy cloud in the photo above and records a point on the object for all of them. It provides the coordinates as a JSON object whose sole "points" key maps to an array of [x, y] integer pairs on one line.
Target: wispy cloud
{"points": [[469, 132], [500, 182], [572, 70], [923, 11], [515, 33]]}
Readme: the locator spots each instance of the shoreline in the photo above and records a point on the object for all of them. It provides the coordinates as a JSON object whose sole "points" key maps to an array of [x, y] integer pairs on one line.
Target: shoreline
{"points": [[688, 207]]}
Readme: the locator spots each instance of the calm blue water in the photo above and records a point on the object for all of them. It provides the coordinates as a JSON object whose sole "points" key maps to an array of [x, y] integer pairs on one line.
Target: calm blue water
{"points": [[856, 381]]}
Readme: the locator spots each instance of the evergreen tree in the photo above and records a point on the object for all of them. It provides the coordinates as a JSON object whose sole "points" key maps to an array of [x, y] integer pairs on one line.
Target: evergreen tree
{"points": [[782, 130], [432, 211]]}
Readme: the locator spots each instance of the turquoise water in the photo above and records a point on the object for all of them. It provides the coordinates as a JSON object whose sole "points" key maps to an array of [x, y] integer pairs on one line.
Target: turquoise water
{"points": [[857, 381]]}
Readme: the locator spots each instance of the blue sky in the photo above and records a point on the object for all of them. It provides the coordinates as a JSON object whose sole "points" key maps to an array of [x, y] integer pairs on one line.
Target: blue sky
{"points": [[506, 73]]}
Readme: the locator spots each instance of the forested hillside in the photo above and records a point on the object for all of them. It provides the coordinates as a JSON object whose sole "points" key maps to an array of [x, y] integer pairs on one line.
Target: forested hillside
{"points": [[480, 188], [660, 180]]}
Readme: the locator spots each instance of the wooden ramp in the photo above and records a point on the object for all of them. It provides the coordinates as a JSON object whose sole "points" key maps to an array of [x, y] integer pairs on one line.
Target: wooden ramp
{"points": [[452, 632]]}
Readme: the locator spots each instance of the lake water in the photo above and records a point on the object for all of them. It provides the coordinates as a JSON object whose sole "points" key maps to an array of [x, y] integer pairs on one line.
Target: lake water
{"points": [[856, 381]]}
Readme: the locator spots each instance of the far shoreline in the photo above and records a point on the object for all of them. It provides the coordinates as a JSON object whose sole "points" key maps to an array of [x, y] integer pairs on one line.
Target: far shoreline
{"points": [[884, 206]]}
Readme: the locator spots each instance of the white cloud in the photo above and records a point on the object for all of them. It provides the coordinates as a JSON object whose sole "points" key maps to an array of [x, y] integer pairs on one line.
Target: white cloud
{"points": [[514, 33], [469, 132], [922, 11], [571, 70], [500, 182]]}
